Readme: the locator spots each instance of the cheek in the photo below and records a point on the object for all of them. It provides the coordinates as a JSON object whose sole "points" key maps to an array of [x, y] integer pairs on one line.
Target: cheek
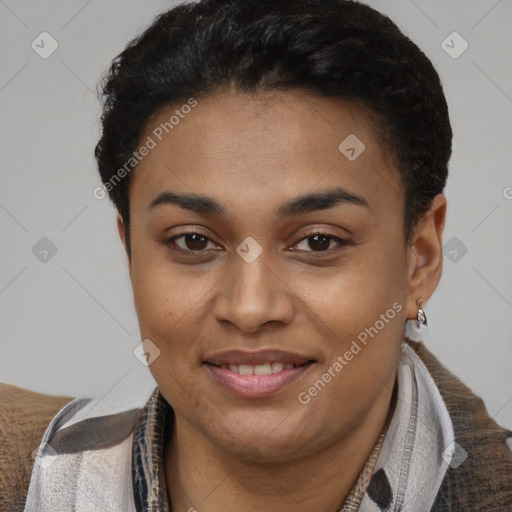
{"points": [[362, 322], [152, 301], [171, 308], [168, 316], [357, 292], [162, 294]]}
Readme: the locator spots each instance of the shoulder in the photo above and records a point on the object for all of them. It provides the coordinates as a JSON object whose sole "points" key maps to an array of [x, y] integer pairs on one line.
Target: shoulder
{"points": [[88, 445], [482, 477], [24, 417]]}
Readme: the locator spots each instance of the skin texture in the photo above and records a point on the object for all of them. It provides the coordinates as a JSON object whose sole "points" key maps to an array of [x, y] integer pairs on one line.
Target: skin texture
{"points": [[252, 153]]}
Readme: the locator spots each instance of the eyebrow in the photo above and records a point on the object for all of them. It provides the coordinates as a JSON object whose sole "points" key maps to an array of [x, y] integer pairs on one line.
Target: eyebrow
{"points": [[300, 205]]}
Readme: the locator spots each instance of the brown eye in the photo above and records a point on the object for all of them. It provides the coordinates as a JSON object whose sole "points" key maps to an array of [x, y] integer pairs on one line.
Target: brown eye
{"points": [[190, 242], [321, 242], [195, 242]]}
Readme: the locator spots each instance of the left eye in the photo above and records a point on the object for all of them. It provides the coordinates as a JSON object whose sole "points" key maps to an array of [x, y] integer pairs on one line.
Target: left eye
{"points": [[321, 242], [192, 241]]}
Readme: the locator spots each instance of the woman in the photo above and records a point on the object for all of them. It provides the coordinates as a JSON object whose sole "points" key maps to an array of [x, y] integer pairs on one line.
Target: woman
{"points": [[278, 170]]}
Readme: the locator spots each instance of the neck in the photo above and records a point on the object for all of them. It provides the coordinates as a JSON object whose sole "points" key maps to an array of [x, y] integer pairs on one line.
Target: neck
{"points": [[200, 476]]}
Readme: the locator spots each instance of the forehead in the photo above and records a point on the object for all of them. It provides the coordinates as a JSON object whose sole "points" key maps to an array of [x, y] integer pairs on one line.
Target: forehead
{"points": [[263, 148]]}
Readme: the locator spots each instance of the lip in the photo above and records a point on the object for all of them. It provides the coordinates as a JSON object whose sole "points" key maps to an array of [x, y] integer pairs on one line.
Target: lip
{"points": [[257, 386], [259, 357]]}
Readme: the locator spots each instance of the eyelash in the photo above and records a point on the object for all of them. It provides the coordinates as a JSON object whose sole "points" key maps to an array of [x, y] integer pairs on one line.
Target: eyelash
{"points": [[341, 243]]}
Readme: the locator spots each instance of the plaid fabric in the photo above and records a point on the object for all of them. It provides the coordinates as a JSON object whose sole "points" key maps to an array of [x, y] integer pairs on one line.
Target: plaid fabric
{"points": [[150, 437]]}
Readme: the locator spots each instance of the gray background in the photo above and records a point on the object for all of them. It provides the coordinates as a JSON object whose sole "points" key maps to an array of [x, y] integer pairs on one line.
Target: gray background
{"points": [[67, 324]]}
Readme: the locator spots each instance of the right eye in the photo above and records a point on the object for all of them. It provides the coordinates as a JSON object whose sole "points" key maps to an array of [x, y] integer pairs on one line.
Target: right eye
{"points": [[191, 241]]}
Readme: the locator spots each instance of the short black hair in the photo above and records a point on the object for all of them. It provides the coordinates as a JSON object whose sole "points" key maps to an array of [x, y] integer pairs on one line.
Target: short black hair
{"points": [[334, 48]]}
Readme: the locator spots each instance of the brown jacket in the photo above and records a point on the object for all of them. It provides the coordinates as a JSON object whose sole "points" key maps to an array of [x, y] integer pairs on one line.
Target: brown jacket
{"points": [[24, 416], [482, 483]]}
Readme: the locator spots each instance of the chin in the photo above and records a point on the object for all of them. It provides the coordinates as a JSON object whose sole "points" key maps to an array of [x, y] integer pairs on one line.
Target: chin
{"points": [[264, 436]]}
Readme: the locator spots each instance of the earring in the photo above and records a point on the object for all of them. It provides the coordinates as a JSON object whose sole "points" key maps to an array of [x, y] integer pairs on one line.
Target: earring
{"points": [[417, 329]]}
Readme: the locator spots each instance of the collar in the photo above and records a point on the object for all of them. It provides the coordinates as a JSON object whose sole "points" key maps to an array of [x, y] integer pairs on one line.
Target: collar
{"points": [[149, 439], [419, 445]]}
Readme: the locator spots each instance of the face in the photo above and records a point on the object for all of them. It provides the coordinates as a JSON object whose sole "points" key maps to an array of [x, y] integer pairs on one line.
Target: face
{"points": [[269, 269]]}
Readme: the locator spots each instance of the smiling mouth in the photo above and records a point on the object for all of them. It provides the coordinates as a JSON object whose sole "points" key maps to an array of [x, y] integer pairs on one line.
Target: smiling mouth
{"points": [[257, 375]]}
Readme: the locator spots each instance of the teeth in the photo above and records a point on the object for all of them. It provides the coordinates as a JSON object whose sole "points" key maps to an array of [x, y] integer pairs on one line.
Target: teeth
{"points": [[262, 369], [246, 369], [277, 367], [258, 369]]}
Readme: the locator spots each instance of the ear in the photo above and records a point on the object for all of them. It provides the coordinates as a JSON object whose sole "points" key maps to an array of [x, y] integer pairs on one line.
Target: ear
{"points": [[121, 228], [425, 255]]}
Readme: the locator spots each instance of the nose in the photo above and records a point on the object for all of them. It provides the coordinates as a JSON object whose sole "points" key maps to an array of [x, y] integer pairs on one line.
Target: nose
{"points": [[252, 295]]}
